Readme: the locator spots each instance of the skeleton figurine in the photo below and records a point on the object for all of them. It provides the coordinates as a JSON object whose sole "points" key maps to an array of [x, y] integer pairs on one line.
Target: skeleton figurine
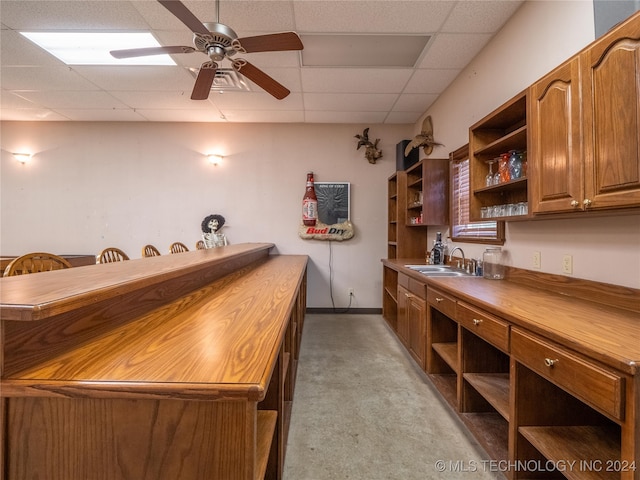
{"points": [[211, 225]]}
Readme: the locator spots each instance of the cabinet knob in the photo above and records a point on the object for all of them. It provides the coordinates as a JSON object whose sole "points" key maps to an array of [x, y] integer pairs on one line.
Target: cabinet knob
{"points": [[407, 295], [586, 202], [575, 203], [550, 362], [438, 299], [477, 321]]}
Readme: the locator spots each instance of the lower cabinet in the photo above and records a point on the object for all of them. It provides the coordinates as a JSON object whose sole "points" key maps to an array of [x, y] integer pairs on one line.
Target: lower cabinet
{"points": [[539, 409], [412, 317]]}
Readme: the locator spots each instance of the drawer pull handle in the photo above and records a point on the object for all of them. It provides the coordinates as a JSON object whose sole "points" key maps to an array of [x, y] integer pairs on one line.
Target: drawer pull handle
{"points": [[438, 299], [477, 321], [550, 362]]}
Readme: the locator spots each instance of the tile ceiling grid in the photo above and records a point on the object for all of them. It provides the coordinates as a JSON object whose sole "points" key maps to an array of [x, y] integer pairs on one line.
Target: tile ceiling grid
{"points": [[36, 86]]}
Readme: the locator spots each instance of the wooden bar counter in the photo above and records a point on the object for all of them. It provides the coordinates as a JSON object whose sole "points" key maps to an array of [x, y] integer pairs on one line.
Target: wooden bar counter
{"points": [[173, 367]]}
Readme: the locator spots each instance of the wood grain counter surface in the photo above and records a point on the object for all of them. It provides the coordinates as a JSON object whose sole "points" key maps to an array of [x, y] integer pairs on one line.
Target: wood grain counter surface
{"points": [[605, 333], [216, 342]]}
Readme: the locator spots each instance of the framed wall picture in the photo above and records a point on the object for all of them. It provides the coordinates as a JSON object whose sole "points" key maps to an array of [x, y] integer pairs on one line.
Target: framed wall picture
{"points": [[334, 202]]}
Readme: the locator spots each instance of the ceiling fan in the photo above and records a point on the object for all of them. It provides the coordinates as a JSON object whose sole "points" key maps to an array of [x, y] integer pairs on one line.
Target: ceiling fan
{"points": [[218, 42]]}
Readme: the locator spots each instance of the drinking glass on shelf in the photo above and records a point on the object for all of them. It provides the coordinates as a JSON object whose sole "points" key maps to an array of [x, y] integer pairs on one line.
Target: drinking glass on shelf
{"points": [[489, 179]]}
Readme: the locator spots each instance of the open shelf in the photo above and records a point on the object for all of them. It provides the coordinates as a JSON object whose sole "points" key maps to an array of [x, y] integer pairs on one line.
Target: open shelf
{"points": [[494, 387], [267, 420], [595, 450], [448, 352], [492, 432]]}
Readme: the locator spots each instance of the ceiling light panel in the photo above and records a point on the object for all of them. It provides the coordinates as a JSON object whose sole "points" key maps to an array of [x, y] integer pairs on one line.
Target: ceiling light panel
{"points": [[87, 48], [362, 50]]}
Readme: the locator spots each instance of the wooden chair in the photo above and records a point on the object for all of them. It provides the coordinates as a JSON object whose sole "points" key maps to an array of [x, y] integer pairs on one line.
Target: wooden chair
{"points": [[200, 245], [111, 255], [35, 262], [178, 247], [150, 251]]}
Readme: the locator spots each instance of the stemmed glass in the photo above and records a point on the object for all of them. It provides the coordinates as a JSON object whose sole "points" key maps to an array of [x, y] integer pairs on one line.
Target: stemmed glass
{"points": [[489, 179]]}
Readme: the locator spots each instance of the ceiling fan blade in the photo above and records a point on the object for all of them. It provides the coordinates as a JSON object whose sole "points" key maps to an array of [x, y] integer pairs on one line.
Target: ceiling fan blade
{"points": [[274, 42], [185, 16], [141, 52], [260, 78], [204, 80]]}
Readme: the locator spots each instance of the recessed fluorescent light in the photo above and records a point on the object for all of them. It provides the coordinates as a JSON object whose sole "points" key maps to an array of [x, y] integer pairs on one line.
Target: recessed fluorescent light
{"points": [[367, 50], [92, 48]]}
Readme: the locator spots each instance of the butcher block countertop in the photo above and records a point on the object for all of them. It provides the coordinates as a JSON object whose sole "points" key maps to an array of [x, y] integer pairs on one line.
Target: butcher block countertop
{"points": [[139, 329], [600, 331]]}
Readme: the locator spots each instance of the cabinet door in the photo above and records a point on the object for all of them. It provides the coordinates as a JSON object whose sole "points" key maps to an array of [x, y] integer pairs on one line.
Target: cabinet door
{"points": [[555, 160], [611, 96], [417, 316], [403, 320]]}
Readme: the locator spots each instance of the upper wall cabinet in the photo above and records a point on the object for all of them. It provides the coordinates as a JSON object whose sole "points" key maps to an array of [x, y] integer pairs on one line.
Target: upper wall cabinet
{"points": [[584, 128], [502, 132]]}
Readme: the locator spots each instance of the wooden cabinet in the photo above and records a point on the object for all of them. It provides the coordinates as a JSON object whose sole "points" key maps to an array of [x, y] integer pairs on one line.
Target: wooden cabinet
{"points": [[584, 128], [428, 193], [412, 317], [583, 421], [416, 197], [502, 130]]}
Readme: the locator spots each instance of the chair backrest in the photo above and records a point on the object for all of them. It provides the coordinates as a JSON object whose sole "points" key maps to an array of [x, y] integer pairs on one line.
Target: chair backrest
{"points": [[200, 245], [178, 247], [150, 251], [35, 262], [111, 255]]}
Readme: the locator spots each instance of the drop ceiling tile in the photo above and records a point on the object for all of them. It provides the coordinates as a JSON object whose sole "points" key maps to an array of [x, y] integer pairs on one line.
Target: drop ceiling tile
{"points": [[314, 116], [141, 77], [70, 15], [160, 115], [371, 16], [453, 50], [106, 114], [403, 117], [430, 81], [30, 115], [17, 50], [414, 102], [355, 80], [480, 17], [10, 99], [339, 102], [264, 116], [43, 78], [69, 99], [168, 100], [255, 101]]}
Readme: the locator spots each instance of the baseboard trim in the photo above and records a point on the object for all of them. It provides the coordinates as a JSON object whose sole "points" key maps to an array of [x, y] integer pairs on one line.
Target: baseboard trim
{"points": [[361, 311]]}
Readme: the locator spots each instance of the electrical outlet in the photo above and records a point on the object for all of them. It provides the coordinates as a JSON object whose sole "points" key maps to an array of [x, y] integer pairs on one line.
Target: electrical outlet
{"points": [[537, 260], [351, 292], [567, 264]]}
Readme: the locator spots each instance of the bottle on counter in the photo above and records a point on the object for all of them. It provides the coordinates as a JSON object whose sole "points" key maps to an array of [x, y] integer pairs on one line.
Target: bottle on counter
{"points": [[492, 266], [437, 252], [310, 203]]}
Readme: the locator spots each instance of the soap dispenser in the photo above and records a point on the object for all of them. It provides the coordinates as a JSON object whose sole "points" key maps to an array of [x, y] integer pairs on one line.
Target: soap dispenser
{"points": [[437, 252]]}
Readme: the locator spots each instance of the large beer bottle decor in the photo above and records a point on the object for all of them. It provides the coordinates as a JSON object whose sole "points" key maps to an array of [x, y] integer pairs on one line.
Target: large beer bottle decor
{"points": [[310, 203]]}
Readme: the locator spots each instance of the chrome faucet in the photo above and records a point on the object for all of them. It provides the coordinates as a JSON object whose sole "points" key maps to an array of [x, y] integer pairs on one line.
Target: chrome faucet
{"points": [[451, 255]]}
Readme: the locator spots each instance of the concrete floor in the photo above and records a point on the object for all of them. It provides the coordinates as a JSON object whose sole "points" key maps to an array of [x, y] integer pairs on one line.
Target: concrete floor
{"points": [[363, 410]]}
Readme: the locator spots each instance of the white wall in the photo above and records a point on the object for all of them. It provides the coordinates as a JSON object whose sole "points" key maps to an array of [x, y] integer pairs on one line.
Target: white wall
{"points": [[93, 185], [540, 36]]}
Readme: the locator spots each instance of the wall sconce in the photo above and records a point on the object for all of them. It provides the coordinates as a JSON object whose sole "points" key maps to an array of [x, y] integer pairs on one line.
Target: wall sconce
{"points": [[214, 159], [22, 157]]}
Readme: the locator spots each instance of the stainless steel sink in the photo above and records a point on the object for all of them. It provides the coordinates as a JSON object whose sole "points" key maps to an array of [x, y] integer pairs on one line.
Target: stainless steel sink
{"points": [[439, 270]]}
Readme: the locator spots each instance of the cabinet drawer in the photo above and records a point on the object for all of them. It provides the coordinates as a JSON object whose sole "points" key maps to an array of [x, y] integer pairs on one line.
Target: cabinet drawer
{"points": [[418, 288], [488, 327], [595, 385], [442, 302], [403, 280]]}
